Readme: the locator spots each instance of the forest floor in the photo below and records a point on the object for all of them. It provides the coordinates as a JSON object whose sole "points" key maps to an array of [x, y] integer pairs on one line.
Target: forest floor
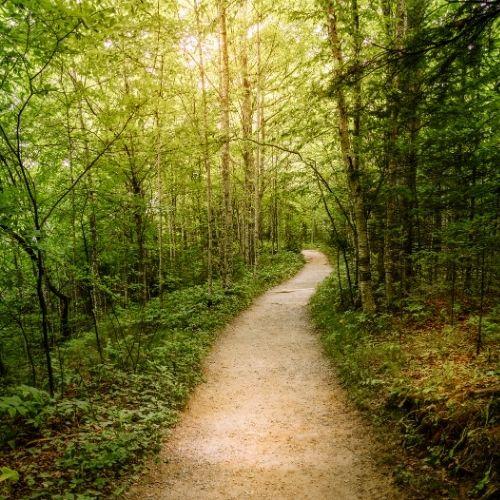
{"points": [[431, 398], [270, 421]]}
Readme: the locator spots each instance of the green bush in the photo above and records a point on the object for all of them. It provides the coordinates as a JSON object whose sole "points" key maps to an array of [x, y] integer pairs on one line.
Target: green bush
{"points": [[116, 411], [424, 381], [18, 414]]}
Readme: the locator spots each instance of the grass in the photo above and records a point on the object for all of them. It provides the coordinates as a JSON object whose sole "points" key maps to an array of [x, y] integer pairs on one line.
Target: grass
{"points": [[421, 377], [113, 415]]}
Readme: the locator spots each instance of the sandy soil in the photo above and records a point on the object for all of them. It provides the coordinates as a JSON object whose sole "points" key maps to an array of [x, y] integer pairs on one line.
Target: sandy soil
{"points": [[270, 422]]}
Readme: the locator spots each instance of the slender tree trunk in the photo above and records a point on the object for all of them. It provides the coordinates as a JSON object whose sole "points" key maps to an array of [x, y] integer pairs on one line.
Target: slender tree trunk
{"points": [[260, 160], [206, 152], [353, 174], [471, 216], [340, 246], [479, 335], [357, 84], [395, 32], [94, 310], [390, 244], [249, 163], [411, 17], [138, 196], [37, 257], [93, 254], [71, 149], [40, 278], [159, 183], [410, 204], [274, 206], [225, 154]]}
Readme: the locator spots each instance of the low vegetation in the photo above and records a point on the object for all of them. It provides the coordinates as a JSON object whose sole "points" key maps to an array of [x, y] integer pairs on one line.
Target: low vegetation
{"points": [[153, 153], [112, 415], [416, 373]]}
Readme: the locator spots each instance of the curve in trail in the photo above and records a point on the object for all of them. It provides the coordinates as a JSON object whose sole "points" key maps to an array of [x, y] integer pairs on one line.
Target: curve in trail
{"points": [[270, 422]]}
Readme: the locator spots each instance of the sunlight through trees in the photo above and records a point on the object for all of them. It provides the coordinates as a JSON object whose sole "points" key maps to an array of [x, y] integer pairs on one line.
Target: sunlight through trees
{"points": [[152, 147]]}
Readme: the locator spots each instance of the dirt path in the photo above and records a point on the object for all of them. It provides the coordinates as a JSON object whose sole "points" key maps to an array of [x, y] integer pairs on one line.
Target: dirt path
{"points": [[270, 422]]}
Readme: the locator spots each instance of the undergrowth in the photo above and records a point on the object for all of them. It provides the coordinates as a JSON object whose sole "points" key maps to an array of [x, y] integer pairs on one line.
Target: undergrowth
{"points": [[415, 374], [114, 414]]}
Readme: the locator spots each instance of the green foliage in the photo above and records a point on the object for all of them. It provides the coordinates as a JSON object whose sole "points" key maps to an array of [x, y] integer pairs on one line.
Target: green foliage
{"points": [[19, 414], [424, 382], [114, 212], [8, 475], [366, 362], [25, 402], [88, 444]]}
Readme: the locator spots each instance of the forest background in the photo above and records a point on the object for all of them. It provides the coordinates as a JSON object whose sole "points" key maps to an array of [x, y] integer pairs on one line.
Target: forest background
{"points": [[162, 162]]}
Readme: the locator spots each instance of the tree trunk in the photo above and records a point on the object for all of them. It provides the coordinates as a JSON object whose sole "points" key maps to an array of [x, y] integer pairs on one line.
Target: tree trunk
{"points": [[206, 153], [225, 154], [395, 33], [259, 164], [249, 164], [40, 278], [353, 174]]}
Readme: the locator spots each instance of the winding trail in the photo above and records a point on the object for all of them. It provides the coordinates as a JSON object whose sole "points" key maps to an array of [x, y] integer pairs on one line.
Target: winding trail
{"points": [[270, 422]]}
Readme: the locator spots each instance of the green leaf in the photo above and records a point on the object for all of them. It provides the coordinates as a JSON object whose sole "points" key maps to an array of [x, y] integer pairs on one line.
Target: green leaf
{"points": [[7, 474]]}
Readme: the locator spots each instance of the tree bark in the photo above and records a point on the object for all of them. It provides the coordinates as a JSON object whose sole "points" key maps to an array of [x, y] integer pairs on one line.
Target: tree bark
{"points": [[395, 33], [225, 153], [249, 164], [206, 152], [353, 173], [260, 159]]}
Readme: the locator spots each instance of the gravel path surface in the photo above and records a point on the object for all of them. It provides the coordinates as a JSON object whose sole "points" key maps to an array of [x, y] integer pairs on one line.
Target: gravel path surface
{"points": [[270, 422]]}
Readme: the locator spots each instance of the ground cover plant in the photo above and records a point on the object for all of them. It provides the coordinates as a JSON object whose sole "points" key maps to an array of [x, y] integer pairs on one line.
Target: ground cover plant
{"points": [[113, 415], [422, 377], [154, 155]]}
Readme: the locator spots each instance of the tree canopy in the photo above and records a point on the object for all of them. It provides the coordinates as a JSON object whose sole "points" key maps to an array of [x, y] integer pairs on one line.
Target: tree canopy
{"points": [[158, 146]]}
